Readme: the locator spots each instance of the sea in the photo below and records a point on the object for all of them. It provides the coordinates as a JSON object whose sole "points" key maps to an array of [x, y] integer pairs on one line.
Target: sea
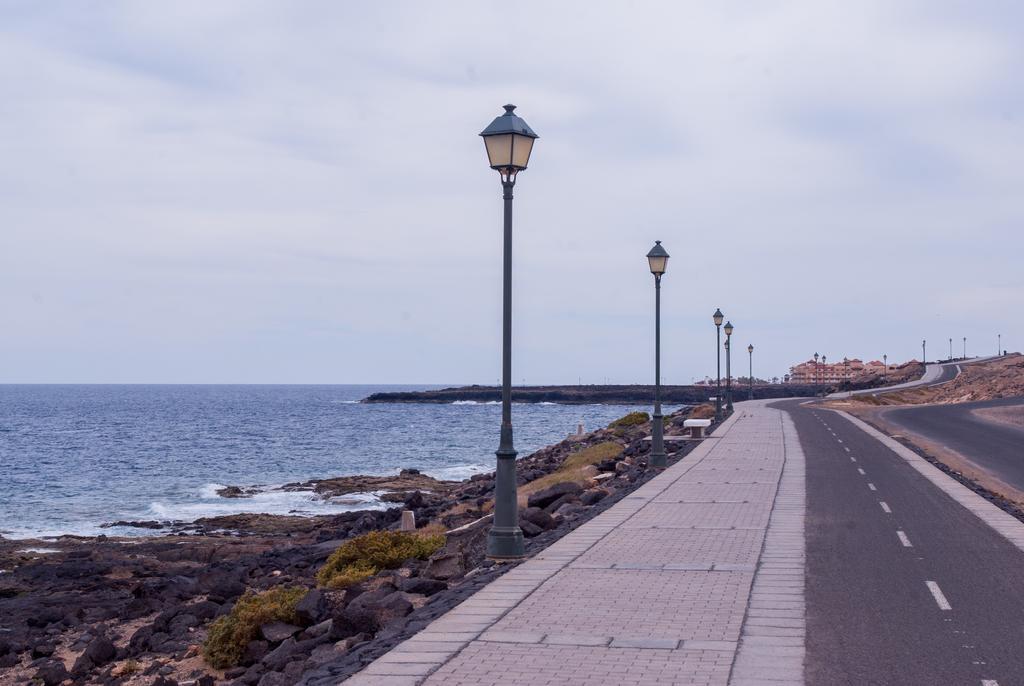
{"points": [[74, 458]]}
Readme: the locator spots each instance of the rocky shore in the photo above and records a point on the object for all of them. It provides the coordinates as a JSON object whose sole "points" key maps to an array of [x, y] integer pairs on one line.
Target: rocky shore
{"points": [[581, 395], [142, 610]]}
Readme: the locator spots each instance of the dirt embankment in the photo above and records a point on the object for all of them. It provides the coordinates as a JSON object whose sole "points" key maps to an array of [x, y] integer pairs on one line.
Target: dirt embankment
{"points": [[999, 378]]}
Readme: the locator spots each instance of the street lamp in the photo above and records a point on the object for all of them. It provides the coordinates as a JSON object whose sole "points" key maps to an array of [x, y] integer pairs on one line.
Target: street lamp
{"points": [[885, 368], [728, 366], [718, 317], [846, 369], [924, 352], [817, 374], [750, 374], [824, 369], [508, 141], [965, 347], [951, 349], [657, 259]]}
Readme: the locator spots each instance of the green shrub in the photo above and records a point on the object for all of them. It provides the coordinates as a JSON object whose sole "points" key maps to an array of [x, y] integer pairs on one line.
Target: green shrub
{"points": [[228, 635], [631, 419], [364, 556]]}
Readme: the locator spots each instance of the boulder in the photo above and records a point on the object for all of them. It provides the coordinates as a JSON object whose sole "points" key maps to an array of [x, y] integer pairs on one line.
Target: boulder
{"points": [[550, 494], [100, 651], [52, 673], [423, 586], [370, 612], [275, 632], [539, 517], [273, 679], [567, 498], [318, 629], [311, 608], [276, 659], [529, 529], [444, 565], [594, 495], [254, 652]]}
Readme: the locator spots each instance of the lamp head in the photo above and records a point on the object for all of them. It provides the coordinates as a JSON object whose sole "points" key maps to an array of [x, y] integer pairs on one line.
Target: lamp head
{"points": [[657, 259]]}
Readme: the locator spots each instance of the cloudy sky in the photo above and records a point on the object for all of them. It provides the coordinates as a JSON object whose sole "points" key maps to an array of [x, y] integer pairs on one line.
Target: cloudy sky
{"points": [[294, 192]]}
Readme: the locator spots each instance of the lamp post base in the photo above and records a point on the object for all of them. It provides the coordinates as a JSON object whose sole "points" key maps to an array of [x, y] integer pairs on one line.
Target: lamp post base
{"points": [[659, 461], [505, 543]]}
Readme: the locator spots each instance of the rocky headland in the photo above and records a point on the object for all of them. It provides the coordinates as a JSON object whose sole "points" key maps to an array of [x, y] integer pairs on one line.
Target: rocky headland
{"points": [[580, 395], [270, 600]]}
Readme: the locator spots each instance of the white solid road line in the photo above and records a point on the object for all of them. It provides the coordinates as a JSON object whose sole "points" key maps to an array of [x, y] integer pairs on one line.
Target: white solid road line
{"points": [[872, 487], [940, 599], [885, 507], [903, 539], [861, 471]]}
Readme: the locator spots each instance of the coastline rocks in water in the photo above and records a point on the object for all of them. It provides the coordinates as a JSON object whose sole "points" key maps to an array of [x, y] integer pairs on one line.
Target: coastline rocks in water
{"points": [[237, 492], [408, 481], [146, 524]]}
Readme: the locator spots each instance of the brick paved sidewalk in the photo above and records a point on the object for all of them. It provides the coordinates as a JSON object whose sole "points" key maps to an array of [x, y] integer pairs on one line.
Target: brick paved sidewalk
{"points": [[697, 577]]}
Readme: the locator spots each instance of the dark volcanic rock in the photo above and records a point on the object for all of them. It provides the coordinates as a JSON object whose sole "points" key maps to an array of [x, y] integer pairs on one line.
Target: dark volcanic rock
{"points": [[422, 586], [538, 517], [100, 651], [275, 632], [52, 673], [548, 495], [311, 608]]}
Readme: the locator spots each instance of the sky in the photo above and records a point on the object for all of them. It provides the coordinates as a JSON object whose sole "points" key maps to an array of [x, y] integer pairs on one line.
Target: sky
{"points": [[295, 192]]}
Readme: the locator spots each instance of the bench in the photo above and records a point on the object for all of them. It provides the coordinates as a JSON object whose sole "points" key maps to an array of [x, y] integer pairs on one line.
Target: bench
{"points": [[696, 426]]}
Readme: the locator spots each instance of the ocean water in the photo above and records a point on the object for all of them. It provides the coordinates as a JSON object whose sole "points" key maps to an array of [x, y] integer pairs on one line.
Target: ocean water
{"points": [[75, 457]]}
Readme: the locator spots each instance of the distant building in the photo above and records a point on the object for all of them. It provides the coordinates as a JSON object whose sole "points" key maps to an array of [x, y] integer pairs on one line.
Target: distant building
{"points": [[853, 370]]}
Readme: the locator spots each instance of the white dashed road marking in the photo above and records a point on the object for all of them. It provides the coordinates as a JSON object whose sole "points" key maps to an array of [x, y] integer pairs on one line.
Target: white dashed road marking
{"points": [[940, 599], [904, 540], [840, 440], [852, 458], [872, 487], [846, 449], [885, 507], [989, 682], [860, 471]]}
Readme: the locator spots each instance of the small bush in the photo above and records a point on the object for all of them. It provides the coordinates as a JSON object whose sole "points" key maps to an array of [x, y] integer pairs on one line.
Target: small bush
{"points": [[633, 419], [364, 556], [229, 635]]}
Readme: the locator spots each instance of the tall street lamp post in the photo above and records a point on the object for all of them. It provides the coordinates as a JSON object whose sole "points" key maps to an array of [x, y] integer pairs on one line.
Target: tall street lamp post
{"points": [[950, 348], [718, 317], [509, 141], [750, 374], [657, 259], [965, 347], [824, 369], [817, 375], [924, 352], [885, 368], [728, 366], [846, 370]]}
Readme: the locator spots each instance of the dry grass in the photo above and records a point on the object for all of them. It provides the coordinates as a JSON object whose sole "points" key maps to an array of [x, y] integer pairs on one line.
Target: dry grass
{"points": [[572, 468], [363, 556], [705, 411]]}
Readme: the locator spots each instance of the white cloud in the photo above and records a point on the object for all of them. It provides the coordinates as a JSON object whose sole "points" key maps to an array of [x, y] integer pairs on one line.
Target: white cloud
{"points": [[295, 191]]}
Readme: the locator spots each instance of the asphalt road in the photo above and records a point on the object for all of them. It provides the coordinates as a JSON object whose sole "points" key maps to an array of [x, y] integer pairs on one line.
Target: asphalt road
{"points": [[994, 447], [875, 542]]}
